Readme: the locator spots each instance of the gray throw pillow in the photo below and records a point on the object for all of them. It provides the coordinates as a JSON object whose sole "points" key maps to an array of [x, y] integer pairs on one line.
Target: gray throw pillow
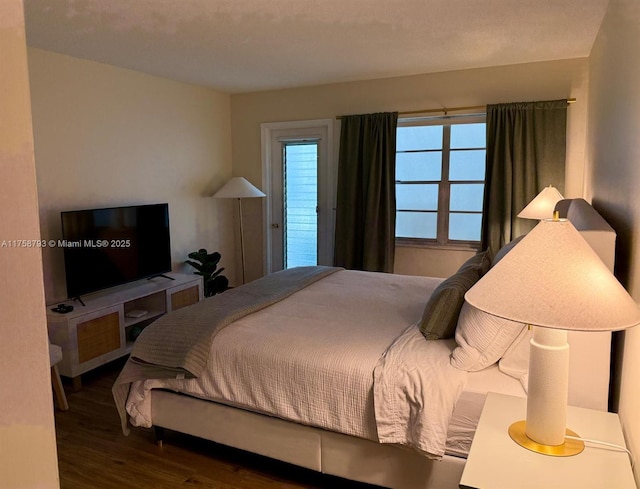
{"points": [[506, 249], [441, 313], [480, 261]]}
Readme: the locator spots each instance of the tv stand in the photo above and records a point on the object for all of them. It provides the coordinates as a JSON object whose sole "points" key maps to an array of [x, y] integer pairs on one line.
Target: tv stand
{"points": [[162, 275], [79, 299], [105, 329]]}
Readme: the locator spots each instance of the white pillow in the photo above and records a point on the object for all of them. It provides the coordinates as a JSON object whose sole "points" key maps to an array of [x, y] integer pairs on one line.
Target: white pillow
{"points": [[515, 361], [482, 338]]}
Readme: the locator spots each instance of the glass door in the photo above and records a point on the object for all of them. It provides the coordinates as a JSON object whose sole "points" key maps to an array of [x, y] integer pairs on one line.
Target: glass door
{"points": [[300, 202], [300, 206]]}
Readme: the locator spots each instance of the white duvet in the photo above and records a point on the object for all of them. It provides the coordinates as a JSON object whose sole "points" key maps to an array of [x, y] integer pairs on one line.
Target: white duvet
{"points": [[311, 359], [415, 392]]}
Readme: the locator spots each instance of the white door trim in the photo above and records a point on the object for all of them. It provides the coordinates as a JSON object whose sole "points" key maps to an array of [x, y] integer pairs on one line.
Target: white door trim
{"points": [[325, 181]]}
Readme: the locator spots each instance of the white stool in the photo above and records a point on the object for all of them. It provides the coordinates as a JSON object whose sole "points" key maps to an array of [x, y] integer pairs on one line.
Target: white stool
{"points": [[55, 356]]}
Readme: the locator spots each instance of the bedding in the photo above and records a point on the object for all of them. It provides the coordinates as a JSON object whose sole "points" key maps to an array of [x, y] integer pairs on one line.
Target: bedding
{"points": [[515, 361], [415, 392], [440, 315], [466, 414], [268, 364], [482, 339], [178, 344]]}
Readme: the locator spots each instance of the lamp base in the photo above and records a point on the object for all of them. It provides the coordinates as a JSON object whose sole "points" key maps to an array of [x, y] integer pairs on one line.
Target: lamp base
{"points": [[567, 449]]}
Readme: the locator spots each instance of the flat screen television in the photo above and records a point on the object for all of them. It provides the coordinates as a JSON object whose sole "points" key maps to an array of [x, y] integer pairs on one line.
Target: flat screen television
{"points": [[113, 246]]}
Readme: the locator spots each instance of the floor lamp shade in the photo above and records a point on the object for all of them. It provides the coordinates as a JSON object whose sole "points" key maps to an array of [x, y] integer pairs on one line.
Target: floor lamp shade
{"points": [[239, 188], [554, 281], [543, 205]]}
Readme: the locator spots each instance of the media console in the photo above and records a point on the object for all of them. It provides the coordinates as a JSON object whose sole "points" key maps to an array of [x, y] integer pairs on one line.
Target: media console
{"points": [[104, 328]]}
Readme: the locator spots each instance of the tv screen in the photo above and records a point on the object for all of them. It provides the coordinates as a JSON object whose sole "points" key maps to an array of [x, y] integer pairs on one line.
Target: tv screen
{"points": [[112, 246]]}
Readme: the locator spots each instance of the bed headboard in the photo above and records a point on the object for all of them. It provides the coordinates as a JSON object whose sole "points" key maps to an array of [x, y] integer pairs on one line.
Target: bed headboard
{"points": [[594, 229], [590, 352]]}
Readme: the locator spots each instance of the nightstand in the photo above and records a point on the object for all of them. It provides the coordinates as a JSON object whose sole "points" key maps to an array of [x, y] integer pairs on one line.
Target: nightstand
{"points": [[496, 462]]}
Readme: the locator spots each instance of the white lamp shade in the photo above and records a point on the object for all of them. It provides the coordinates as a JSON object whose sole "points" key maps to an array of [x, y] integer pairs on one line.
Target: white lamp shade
{"points": [[553, 278], [543, 205], [238, 188]]}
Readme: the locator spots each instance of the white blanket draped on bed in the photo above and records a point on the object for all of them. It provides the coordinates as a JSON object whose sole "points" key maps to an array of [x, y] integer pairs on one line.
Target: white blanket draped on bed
{"points": [[311, 358], [415, 392]]}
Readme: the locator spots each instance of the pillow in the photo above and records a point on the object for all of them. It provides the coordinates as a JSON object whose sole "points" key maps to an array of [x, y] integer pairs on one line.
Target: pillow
{"points": [[440, 315], [482, 338], [480, 261], [515, 361], [506, 249]]}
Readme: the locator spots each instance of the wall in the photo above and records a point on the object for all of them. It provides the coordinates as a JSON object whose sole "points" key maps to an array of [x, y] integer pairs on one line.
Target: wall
{"points": [[527, 82], [27, 435], [107, 136], [613, 179]]}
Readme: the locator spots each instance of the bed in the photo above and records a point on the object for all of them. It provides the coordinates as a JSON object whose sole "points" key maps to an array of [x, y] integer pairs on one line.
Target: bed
{"points": [[381, 405]]}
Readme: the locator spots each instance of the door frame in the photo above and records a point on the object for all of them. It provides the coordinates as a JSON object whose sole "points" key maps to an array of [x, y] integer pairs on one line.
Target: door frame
{"points": [[326, 184]]}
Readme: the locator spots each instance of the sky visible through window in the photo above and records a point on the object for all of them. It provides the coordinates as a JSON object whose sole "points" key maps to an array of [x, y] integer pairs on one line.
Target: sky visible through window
{"points": [[440, 168]]}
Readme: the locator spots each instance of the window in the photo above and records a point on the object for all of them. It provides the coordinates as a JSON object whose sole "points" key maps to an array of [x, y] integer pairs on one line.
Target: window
{"points": [[300, 178], [440, 172]]}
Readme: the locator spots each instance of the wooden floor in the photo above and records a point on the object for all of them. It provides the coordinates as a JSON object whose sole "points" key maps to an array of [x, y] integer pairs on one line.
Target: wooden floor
{"points": [[93, 452]]}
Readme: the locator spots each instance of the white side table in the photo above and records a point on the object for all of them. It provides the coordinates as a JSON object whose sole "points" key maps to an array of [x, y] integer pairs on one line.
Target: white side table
{"points": [[497, 462]]}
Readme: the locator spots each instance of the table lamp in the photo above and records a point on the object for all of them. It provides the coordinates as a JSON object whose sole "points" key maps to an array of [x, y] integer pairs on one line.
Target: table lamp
{"points": [[553, 281], [239, 188], [543, 205]]}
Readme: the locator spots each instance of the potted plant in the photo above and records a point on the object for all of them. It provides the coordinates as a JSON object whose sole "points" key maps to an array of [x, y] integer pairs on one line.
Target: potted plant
{"points": [[206, 265]]}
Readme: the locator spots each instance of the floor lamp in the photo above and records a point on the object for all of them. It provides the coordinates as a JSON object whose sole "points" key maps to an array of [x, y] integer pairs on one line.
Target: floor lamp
{"points": [[239, 188]]}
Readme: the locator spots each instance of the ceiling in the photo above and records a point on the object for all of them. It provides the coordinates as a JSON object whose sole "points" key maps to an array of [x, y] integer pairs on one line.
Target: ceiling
{"points": [[252, 45]]}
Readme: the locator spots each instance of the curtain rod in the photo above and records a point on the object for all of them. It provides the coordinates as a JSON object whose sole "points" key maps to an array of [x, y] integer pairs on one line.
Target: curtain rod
{"points": [[452, 109]]}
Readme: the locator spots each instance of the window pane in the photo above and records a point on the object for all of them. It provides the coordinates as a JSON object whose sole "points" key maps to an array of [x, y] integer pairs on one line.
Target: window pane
{"points": [[416, 225], [419, 166], [300, 201], [468, 135], [466, 197], [467, 165], [418, 197], [465, 227], [418, 137], [421, 157]]}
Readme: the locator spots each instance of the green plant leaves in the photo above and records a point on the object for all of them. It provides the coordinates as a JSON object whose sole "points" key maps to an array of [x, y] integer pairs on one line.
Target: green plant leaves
{"points": [[206, 265]]}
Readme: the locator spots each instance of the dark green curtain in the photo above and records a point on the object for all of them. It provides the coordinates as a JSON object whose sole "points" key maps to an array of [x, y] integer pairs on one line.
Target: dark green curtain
{"points": [[526, 148], [366, 198]]}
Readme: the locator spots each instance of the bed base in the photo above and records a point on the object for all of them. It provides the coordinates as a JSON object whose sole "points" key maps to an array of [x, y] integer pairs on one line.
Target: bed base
{"points": [[313, 448]]}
